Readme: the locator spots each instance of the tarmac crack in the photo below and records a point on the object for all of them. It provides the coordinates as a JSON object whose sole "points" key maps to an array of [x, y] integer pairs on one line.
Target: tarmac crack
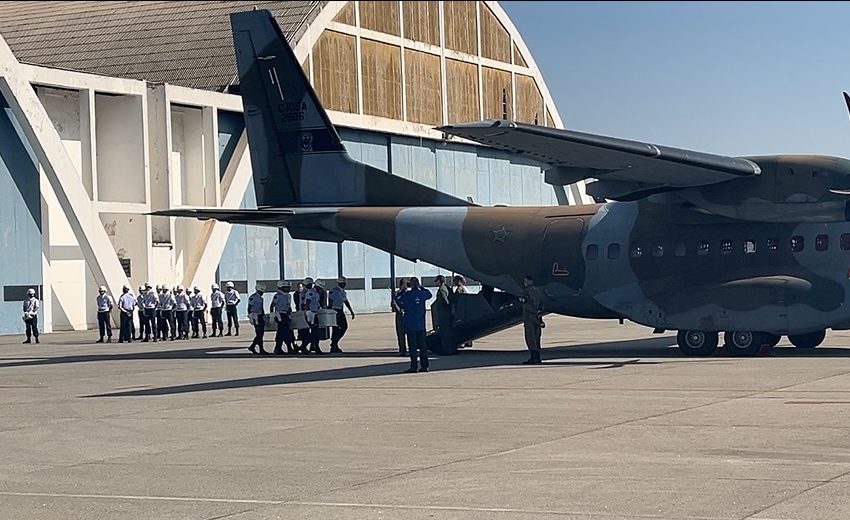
{"points": [[795, 495]]}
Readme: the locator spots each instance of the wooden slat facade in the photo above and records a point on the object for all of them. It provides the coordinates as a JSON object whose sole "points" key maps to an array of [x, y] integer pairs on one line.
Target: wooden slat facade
{"points": [[422, 21], [381, 65], [335, 71], [424, 88], [518, 59], [346, 14], [495, 39], [497, 93], [380, 16], [462, 86], [529, 100], [335, 66], [459, 20]]}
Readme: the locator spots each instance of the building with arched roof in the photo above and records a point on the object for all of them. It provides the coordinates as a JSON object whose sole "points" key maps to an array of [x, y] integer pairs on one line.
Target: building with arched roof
{"points": [[114, 109]]}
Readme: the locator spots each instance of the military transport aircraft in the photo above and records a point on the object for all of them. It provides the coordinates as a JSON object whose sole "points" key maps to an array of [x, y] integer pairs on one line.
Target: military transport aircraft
{"points": [[756, 247]]}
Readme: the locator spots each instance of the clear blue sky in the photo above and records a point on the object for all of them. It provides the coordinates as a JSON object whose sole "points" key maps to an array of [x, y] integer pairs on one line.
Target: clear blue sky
{"points": [[730, 78]]}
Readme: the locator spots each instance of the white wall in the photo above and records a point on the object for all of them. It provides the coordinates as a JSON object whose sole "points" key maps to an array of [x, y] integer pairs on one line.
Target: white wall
{"points": [[120, 149]]}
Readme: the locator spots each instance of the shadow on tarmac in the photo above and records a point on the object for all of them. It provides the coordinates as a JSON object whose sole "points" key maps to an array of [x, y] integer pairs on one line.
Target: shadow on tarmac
{"points": [[632, 351]]}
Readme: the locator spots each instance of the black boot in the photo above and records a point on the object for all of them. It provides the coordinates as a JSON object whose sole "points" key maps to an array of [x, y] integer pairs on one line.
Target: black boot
{"points": [[411, 370], [531, 359], [537, 359]]}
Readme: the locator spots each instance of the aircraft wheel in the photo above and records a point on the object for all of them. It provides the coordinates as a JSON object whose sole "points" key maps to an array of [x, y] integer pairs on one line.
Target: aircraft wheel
{"points": [[744, 343], [810, 340], [697, 342]]}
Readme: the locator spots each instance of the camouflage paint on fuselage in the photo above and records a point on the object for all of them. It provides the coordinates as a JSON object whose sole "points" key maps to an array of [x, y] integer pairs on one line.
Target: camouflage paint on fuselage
{"points": [[669, 285]]}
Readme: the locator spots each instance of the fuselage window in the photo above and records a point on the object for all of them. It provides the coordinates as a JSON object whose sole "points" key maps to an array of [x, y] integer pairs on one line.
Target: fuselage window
{"points": [[592, 252], [797, 244], [680, 249], [845, 241], [822, 242], [749, 247], [773, 244], [636, 251], [657, 250], [725, 247], [613, 251], [702, 248]]}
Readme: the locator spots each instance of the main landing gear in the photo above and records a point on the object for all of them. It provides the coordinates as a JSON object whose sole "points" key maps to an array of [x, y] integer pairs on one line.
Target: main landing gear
{"points": [[740, 343]]}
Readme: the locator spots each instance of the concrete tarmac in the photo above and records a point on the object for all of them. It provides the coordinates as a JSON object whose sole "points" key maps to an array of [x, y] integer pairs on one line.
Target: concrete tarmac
{"points": [[615, 425]]}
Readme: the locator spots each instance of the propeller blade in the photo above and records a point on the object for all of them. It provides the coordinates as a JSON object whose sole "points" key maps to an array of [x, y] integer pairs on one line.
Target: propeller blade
{"points": [[847, 101]]}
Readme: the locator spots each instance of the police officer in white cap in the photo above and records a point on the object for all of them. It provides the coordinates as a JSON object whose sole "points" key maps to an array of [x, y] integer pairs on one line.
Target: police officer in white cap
{"points": [[311, 302], [281, 308], [338, 298], [182, 306], [216, 306], [149, 304], [231, 300], [31, 306], [199, 310], [105, 303], [256, 313], [126, 306], [166, 309]]}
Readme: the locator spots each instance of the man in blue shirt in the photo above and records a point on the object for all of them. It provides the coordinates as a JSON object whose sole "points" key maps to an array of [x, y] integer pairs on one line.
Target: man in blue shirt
{"points": [[412, 304]]}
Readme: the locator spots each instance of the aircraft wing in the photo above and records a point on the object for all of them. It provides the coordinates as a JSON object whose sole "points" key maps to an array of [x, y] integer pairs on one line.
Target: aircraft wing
{"points": [[625, 170], [302, 223]]}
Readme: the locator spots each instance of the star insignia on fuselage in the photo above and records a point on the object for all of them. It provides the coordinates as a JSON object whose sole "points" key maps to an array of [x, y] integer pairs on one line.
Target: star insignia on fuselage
{"points": [[501, 234]]}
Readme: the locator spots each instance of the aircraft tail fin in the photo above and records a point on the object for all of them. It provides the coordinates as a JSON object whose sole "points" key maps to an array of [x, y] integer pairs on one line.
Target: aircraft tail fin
{"points": [[297, 156]]}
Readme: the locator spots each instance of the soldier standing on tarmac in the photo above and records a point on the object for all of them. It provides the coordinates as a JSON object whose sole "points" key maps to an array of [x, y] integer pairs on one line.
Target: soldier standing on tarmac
{"points": [[532, 320], [399, 317]]}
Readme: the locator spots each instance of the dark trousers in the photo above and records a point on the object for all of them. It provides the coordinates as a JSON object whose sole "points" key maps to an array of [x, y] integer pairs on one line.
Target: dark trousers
{"points": [[340, 329], [445, 327], [416, 342], [126, 321], [259, 331], [283, 334], [32, 327], [199, 319], [216, 320], [167, 324], [103, 324], [232, 318], [313, 335], [149, 323], [132, 326], [532, 334], [400, 334], [182, 324]]}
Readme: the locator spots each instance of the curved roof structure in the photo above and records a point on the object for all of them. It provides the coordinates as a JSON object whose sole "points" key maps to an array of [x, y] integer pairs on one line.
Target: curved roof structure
{"points": [[421, 63]]}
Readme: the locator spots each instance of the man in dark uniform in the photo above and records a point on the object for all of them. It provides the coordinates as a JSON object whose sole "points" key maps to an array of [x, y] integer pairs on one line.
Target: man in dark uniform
{"points": [[532, 320], [443, 318], [399, 317]]}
